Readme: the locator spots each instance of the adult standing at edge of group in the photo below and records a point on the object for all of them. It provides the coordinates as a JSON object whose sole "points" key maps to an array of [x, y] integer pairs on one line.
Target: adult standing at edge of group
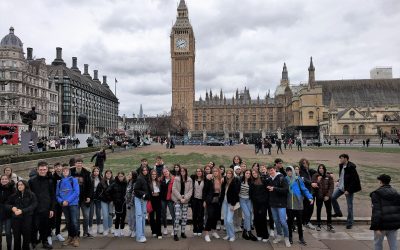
{"points": [[85, 194], [306, 174], [142, 196], [348, 184], [101, 157], [7, 188], [385, 220], [43, 188]]}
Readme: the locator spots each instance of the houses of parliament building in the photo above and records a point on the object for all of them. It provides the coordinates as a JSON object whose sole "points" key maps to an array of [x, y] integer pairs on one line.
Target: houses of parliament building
{"points": [[354, 108]]}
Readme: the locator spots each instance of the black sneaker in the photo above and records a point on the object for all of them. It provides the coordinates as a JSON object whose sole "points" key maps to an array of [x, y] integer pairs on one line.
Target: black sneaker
{"points": [[318, 227], [88, 235], [337, 215], [183, 236], [330, 228], [303, 242], [349, 226], [176, 237]]}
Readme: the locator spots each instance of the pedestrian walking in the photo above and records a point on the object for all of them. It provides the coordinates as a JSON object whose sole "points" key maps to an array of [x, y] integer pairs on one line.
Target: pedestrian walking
{"points": [[279, 146], [348, 184], [385, 220], [101, 158]]}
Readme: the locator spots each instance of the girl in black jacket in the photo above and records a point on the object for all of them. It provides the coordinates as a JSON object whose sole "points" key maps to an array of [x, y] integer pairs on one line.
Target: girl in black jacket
{"points": [[229, 199], [142, 195], [95, 204], [22, 204], [6, 190], [105, 201], [155, 215], [259, 197], [117, 191]]}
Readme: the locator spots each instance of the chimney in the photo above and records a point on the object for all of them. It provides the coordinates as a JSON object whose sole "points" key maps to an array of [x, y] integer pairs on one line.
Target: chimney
{"points": [[74, 62], [29, 53], [58, 60], [59, 53], [86, 70], [95, 74], [105, 80]]}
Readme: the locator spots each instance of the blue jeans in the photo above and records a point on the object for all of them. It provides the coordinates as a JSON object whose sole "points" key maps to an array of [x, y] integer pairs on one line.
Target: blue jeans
{"points": [[228, 219], [71, 214], [349, 199], [279, 215], [140, 210], [85, 214], [95, 206], [106, 210], [246, 206], [164, 205], [7, 228], [391, 237]]}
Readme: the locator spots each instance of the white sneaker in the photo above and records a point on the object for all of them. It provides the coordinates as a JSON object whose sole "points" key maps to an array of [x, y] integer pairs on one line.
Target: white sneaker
{"points": [[272, 234], [154, 235], [165, 232], [224, 228], [215, 235], [117, 233], [133, 234], [90, 230], [310, 226], [105, 233], [232, 239], [265, 240], [287, 242], [172, 234], [207, 238], [100, 229], [159, 237], [50, 240], [60, 238], [226, 238], [259, 238], [238, 229], [277, 239], [142, 240], [218, 227]]}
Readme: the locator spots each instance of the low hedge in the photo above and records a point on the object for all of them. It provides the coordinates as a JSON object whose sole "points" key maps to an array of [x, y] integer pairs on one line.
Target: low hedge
{"points": [[46, 154]]}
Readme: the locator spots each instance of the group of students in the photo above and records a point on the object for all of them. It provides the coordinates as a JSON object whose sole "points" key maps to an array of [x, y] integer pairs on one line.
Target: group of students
{"points": [[244, 197]]}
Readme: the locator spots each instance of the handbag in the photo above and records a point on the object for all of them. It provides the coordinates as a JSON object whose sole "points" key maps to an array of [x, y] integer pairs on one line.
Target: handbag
{"points": [[149, 207]]}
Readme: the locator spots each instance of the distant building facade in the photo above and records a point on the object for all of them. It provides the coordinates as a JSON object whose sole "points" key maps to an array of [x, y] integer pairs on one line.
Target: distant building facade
{"points": [[24, 84], [314, 109], [381, 73]]}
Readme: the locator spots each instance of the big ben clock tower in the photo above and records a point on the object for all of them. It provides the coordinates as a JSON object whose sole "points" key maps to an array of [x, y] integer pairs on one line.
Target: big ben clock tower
{"points": [[182, 62]]}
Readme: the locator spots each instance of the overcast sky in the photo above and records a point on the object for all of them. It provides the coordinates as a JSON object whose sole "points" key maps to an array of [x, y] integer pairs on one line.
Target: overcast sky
{"points": [[239, 43]]}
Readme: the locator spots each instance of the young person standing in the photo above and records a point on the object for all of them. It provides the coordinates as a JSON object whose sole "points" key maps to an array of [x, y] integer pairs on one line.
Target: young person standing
{"points": [[105, 201], [57, 176], [95, 205], [142, 196], [182, 191], [197, 202], [155, 215], [245, 204], [130, 206], [229, 197], [306, 174], [117, 192], [6, 190], [166, 184]]}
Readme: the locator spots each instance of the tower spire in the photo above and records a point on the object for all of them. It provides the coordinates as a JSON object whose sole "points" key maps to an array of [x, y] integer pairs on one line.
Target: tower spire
{"points": [[311, 74], [141, 112], [285, 75], [182, 10]]}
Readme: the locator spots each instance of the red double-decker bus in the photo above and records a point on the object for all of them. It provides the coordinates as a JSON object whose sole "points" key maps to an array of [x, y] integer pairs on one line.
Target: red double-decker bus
{"points": [[10, 132]]}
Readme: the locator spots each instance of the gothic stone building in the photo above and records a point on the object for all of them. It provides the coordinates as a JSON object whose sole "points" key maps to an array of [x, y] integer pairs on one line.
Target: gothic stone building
{"points": [[24, 84], [315, 109]]}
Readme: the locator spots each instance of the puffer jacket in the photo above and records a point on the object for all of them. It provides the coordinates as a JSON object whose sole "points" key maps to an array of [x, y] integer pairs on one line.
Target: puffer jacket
{"points": [[5, 192], [117, 191], [26, 201], [101, 191], [142, 188], [43, 188], [385, 209], [352, 182], [259, 193], [297, 193], [325, 186], [176, 190]]}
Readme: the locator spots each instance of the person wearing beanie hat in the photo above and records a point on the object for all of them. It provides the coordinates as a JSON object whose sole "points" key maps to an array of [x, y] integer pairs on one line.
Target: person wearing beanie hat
{"points": [[385, 219]]}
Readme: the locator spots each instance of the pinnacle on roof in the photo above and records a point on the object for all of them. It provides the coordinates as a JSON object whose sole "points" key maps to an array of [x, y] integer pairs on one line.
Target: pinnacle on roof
{"points": [[311, 68]]}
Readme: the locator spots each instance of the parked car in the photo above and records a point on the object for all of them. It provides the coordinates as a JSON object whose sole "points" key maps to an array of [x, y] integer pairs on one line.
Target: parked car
{"points": [[215, 142]]}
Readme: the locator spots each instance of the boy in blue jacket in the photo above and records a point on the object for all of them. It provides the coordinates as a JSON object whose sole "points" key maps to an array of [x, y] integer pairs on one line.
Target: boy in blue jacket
{"points": [[67, 194]]}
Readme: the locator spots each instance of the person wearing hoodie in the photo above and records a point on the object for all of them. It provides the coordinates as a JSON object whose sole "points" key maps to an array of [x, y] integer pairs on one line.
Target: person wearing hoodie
{"points": [[348, 184], [385, 219], [105, 201], [86, 193], [142, 196], [22, 205], [182, 191], [229, 199], [297, 194], [6, 190], [324, 190], [278, 189], [117, 191], [67, 195], [159, 166], [306, 174], [259, 197], [130, 206], [42, 186]]}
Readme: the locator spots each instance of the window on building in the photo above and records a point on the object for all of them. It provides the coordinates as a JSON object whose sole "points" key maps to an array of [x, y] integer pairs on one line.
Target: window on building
{"points": [[311, 115], [346, 129], [352, 114], [2, 75], [361, 129], [394, 131]]}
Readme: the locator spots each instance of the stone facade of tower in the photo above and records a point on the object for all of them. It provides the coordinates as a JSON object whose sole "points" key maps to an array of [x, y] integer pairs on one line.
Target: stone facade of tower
{"points": [[183, 59]]}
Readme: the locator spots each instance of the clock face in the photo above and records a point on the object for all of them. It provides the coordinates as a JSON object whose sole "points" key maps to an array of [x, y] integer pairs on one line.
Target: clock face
{"points": [[181, 43]]}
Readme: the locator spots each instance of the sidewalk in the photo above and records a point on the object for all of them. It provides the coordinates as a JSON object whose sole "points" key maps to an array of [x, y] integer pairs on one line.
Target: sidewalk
{"points": [[359, 238]]}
